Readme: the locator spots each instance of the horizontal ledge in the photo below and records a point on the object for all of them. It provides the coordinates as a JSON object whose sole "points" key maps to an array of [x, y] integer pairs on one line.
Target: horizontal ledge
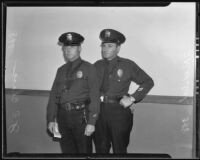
{"points": [[182, 100], [94, 155]]}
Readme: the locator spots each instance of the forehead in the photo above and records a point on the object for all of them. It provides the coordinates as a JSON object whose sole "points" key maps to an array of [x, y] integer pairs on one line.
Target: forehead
{"points": [[70, 46], [108, 44]]}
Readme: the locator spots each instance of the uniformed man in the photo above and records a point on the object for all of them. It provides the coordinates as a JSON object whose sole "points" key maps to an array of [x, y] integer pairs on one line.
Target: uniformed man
{"points": [[115, 75], [74, 99]]}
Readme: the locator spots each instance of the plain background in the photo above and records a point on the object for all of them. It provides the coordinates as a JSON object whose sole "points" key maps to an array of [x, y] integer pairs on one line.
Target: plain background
{"points": [[161, 40]]}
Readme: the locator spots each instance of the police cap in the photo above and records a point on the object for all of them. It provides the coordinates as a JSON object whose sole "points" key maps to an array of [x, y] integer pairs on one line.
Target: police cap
{"points": [[71, 39], [111, 36]]}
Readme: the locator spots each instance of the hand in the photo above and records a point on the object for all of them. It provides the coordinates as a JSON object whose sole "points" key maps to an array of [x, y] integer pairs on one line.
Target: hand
{"points": [[132, 108], [126, 101], [89, 129], [51, 127]]}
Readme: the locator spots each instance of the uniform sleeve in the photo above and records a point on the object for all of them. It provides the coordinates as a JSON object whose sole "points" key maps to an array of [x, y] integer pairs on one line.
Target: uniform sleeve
{"points": [[52, 106], [144, 81], [94, 94]]}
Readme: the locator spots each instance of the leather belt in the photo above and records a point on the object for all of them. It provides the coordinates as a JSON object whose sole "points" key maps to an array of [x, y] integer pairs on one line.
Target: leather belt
{"points": [[73, 106], [107, 99]]}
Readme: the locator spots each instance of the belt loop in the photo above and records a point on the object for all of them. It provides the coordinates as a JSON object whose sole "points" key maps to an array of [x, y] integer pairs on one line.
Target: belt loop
{"points": [[106, 99]]}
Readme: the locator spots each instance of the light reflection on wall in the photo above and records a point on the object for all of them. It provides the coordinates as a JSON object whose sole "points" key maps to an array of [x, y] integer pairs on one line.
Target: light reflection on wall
{"points": [[14, 127]]}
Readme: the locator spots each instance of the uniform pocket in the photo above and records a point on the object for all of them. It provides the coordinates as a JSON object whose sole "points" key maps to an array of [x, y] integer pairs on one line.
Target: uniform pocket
{"points": [[81, 82]]}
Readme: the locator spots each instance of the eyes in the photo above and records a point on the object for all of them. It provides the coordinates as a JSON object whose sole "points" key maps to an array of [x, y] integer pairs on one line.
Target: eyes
{"points": [[70, 48], [108, 45]]}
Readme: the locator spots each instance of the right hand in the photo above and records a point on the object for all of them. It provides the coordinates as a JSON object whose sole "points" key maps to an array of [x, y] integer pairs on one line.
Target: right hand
{"points": [[89, 129], [132, 108], [51, 126]]}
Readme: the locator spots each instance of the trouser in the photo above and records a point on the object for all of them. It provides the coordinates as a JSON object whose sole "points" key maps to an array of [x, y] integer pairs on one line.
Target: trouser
{"points": [[71, 126], [113, 127]]}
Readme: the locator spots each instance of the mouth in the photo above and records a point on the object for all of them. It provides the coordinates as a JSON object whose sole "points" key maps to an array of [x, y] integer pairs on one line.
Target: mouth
{"points": [[68, 55], [105, 52]]}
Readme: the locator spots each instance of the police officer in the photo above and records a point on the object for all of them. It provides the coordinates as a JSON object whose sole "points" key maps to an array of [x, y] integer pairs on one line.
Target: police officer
{"points": [[115, 75], [74, 99]]}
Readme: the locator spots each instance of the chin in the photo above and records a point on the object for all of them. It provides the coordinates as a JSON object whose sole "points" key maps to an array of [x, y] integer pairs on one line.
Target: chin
{"points": [[106, 56], [70, 57]]}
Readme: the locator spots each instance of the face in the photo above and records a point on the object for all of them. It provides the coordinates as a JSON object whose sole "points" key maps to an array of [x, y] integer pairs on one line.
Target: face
{"points": [[71, 53], [109, 50]]}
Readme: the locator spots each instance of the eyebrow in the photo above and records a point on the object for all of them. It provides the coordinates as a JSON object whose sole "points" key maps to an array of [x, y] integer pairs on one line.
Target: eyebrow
{"points": [[107, 44]]}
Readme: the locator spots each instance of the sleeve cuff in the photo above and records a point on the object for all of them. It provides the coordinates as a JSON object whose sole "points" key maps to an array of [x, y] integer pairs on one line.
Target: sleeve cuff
{"points": [[92, 120]]}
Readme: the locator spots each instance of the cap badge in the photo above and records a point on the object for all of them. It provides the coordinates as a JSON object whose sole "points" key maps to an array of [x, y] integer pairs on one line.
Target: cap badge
{"points": [[69, 37], [79, 74], [120, 72], [107, 33], [140, 89]]}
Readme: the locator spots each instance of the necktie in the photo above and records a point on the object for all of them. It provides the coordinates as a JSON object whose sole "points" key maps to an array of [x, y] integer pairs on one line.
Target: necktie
{"points": [[105, 83], [68, 73], [71, 69]]}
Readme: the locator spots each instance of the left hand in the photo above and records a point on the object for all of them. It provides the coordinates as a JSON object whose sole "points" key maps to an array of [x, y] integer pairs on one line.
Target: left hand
{"points": [[89, 129], [125, 101]]}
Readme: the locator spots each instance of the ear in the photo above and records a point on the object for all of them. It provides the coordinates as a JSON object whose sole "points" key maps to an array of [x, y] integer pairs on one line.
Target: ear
{"points": [[118, 48], [79, 48], [62, 48]]}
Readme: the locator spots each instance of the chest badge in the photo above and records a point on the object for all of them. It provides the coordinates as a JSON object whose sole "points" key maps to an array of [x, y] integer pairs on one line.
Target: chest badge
{"points": [[120, 73], [79, 74]]}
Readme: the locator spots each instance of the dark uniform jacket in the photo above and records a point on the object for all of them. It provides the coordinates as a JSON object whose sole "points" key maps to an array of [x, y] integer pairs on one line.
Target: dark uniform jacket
{"points": [[84, 85], [121, 72]]}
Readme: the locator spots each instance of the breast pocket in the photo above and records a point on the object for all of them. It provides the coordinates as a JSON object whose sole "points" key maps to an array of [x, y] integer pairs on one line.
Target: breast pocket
{"points": [[121, 76], [80, 82]]}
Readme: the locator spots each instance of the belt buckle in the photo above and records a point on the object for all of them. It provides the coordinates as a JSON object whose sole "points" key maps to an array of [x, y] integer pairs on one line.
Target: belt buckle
{"points": [[102, 98], [77, 107]]}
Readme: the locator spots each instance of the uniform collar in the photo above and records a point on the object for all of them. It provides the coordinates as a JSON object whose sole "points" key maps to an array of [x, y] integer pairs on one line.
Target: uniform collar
{"points": [[114, 61], [76, 62]]}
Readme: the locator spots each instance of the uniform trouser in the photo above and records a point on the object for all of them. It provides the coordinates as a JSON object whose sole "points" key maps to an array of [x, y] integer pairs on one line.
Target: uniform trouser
{"points": [[71, 126], [113, 127]]}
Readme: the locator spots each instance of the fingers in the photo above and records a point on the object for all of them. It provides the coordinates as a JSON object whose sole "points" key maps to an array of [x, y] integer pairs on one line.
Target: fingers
{"points": [[121, 102], [88, 133], [51, 127], [132, 108], [89, 130]]}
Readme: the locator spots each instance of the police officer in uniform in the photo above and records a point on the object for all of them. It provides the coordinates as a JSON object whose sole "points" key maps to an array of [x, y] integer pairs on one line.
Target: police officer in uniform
{"points": [[116, 109], [74, 99]]}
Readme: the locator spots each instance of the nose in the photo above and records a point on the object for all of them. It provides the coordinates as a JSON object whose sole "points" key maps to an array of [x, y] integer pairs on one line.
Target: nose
{"points": [[69, 48], [104, 48]]}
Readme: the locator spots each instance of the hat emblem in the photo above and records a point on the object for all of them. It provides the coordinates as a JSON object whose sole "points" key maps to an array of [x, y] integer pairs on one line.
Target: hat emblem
{"points": [[69, 37], [107, 33], [79, 74], [120, 72]]}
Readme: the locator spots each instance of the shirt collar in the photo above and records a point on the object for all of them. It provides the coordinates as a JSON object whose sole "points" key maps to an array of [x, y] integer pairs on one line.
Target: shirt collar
{"points": [[114, 60], [76, 62]]}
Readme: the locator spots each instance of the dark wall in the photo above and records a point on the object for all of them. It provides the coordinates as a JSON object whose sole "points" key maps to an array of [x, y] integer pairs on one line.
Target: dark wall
{"points": [[26, 125], [158, 128]]}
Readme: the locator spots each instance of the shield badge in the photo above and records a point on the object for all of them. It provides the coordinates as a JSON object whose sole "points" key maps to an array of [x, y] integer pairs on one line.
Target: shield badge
{"points": [[107, 33], [69, 37], [120, 73], [79, 74]]}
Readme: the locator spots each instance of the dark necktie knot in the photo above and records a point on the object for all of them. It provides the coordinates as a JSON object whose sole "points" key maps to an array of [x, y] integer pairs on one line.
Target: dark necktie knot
{"points": [[69, 64], [106, 62]]}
